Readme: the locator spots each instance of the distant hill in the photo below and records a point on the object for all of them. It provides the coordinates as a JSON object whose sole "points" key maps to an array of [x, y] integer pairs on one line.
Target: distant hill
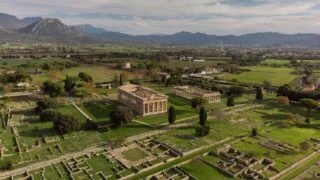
{"points": [[46, 29], [9, 22], [29, 20], [104, 34], [187, 38], [55, 29]]}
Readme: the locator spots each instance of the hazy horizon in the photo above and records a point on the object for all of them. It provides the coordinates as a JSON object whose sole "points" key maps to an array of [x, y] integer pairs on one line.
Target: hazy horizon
{"points": [[218, 17]]}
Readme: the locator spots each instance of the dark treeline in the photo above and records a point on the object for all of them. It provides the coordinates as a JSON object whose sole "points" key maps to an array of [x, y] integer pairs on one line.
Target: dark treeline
{"points": [[295, 95]]}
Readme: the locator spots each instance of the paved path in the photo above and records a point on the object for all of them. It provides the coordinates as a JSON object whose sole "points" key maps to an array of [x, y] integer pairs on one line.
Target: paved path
{"points": [[143, 123], [81, 111], [17, 94], [295, 165]]}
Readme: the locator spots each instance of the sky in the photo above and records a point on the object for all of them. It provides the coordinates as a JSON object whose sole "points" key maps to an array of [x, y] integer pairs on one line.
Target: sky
{"points": [[219, 17]]}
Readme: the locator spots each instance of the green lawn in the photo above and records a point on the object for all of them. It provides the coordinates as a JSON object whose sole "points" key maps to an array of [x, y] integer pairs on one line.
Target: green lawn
{"points": [[201, 170], [258, 74], [72, 111], [282, 62], [135, 154], [98, 111]]}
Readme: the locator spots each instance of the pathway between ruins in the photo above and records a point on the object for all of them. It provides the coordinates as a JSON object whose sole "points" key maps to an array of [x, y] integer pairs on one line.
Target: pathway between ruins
{"points": [[81, 111], [102, 147], [295, 165]]}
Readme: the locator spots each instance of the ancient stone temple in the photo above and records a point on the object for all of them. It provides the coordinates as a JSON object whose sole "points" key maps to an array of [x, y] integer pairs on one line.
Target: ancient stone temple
{"points": [[143, 100], [190, 92]]}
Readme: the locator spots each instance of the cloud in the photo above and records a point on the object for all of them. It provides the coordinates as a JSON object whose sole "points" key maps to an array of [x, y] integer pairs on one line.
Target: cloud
{"points": [[170, 16]]}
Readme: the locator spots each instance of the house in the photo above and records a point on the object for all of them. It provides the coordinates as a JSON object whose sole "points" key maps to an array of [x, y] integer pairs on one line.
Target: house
{"points": [[104, 85], [308, 88], [126, 66], [23, 84]]}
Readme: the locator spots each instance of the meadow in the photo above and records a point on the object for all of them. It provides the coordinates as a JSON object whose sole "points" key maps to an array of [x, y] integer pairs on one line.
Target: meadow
{"points": [[258, 74]]}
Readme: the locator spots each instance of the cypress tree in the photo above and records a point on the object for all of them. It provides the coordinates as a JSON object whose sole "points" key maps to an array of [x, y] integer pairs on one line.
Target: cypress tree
{"points": [[230, 102], [172, 115], [202, 116], [121, 80], [259, 94]]}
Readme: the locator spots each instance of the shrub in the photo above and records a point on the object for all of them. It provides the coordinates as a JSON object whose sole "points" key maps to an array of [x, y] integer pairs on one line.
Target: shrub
{"points": [[254, 132], [202, 131], [91, 125], [7, 165], [304, 145]]}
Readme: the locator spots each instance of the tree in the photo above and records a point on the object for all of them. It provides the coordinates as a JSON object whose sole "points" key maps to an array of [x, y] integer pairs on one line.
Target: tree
{"points": [[267, 85], [309, 104], [230, 102], [283, 90], [85, 77], [284, 100], [259, 93], [171, 115], [115, 80], [254, 132], [46, 67], [65, 124], [202, 131], [197, 102], [235, 91], [121, 80], [82, 92], [45, 103], [121, 115], [49, 115], [52, 89], [4, 103], [70, 83], [202, 116]]}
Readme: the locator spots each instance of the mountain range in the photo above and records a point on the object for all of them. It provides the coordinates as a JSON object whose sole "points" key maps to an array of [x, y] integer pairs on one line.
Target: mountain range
{"points": [[37, 29]]}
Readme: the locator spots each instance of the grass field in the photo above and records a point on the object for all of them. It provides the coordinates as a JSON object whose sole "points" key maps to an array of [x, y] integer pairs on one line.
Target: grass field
{"points": [[258, 74], [98, 73], [135, 154], [201, 170], [282, 62], [17, 62], [72, 111], [98, 111]]}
